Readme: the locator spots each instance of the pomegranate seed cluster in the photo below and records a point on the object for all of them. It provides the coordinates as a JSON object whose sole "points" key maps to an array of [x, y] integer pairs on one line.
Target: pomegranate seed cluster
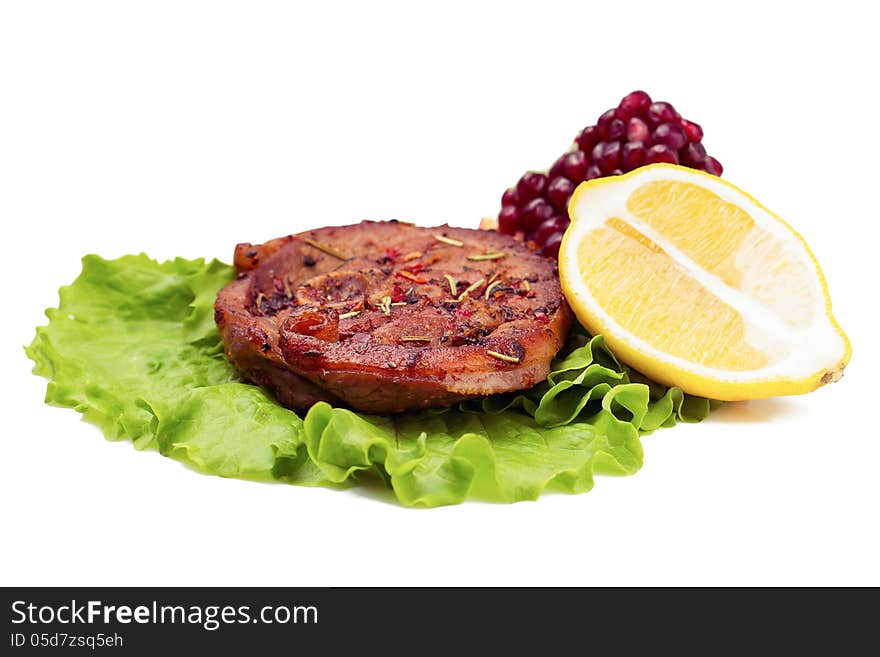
{"points": [[636, 132]]}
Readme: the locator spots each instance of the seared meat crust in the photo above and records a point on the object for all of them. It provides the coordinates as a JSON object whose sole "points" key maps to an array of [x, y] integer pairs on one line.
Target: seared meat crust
{"points": [[384, 317]]}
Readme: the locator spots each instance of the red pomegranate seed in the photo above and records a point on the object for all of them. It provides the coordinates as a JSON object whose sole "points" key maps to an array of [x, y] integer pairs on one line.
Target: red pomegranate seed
{"points": [[633, 155], [551, 245], [616, 130], [693, 154], [531, 185], [661, 153], [637, 130], [622, 114], [534, 212], [606, 155], [635, 103], [509, 198], [604, 122], [559, 191], [508, 220], [670, 134], [593, 172], [693, 130], [713, 166], [575, 166], [558, 168], [552, 225], [588, 138], [661, 113]]}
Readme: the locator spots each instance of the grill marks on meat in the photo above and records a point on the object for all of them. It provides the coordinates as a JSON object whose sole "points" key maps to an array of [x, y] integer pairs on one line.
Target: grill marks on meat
{"points": [[385, 318]]}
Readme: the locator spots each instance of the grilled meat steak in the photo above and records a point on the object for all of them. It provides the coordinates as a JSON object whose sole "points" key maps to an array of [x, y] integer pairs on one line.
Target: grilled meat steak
{"points": [[386, 317]]}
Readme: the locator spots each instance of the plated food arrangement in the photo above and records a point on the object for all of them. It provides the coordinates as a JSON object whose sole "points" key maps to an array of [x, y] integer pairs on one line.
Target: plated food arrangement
{"points": [[447, 360]]}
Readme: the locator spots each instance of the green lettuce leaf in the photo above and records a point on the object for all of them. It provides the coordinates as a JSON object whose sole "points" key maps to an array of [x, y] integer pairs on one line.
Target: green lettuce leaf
{"points": [[133, 347]]}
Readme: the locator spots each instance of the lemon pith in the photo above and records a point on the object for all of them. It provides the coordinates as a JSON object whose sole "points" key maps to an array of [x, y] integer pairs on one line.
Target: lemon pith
{"points": [[694, 283]]}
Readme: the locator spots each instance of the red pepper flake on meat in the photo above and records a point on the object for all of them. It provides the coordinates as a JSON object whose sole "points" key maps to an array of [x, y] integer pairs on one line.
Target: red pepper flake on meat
{"points": [[412, 277], [397, 294]]}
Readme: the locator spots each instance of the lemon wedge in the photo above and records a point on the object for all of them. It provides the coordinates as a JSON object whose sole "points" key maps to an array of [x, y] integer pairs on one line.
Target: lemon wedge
{"points": [[697, 285]]}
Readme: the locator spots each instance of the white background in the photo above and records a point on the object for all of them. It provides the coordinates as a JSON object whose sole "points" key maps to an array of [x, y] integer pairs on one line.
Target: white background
{"points": [[182, 128]]}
